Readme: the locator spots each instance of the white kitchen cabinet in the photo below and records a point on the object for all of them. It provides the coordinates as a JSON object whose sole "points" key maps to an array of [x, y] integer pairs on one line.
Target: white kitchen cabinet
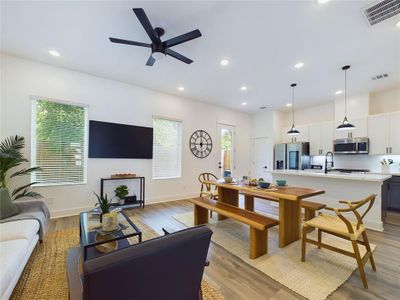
{"points": [[321, 138], [383, 133], [378, 133], [394, 133], [304, 135], [360, 130]]}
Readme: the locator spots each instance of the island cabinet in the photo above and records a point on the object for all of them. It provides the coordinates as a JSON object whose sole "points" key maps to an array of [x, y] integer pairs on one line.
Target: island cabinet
{"points": [[360, 130], [393, 193], [384, 134], [321, 138]]}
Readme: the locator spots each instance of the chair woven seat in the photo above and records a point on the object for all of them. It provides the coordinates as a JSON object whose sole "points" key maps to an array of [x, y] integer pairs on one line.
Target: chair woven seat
{"points": [[334, 224]]}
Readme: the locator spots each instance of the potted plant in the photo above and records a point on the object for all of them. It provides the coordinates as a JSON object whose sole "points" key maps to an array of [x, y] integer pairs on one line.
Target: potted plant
{"points": [[11, 157], [121, 192], [104, 204]]}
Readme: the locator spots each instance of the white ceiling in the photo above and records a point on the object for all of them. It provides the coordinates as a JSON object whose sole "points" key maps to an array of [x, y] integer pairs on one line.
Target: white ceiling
{"points": [[262, 40]]}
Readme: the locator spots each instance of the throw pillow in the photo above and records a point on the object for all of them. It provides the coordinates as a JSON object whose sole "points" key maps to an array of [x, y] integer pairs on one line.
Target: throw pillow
{"points": [[7, 207]]}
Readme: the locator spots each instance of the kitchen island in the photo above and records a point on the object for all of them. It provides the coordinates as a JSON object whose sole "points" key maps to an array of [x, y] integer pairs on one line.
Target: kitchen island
{"points": [[340, 186]]}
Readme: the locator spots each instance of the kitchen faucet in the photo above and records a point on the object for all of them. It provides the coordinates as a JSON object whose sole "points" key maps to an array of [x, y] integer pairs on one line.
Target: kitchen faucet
{"points": [[326, 161]]}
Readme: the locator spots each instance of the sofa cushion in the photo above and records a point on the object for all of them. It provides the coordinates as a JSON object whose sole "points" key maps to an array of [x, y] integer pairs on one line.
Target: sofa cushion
{"points": [[12, 255], [23, 229], [7, 207]]}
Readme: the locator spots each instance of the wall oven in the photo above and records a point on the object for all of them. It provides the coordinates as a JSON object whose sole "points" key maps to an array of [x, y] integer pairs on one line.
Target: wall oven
{"points": [[351, 146]]}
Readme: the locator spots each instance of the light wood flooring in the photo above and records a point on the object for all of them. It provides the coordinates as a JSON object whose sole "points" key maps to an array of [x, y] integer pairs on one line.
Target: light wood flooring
{"points": [[237, 280]]}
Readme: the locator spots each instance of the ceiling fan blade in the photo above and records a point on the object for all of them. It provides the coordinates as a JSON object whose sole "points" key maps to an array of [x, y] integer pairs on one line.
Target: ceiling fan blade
{"points": [[182, 38], [141, 15], [126, 42], [178, 56], [150, 61]]}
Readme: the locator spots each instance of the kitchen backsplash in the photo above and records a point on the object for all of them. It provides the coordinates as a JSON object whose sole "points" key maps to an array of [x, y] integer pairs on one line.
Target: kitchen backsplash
{"points": [[371, 162]]}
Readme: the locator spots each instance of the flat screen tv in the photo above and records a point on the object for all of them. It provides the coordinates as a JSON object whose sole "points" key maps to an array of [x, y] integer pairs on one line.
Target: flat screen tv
{"points": [[111, 140]]}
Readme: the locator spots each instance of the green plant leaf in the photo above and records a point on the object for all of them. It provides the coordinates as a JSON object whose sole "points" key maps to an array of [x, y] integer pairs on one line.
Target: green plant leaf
{"points": [[25, 171], [17, 190], [27, 193]]}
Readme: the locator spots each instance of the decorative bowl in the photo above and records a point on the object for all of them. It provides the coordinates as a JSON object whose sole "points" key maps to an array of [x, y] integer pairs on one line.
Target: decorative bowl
{"points": [[264, 184], [228, 179], [281, 182]]}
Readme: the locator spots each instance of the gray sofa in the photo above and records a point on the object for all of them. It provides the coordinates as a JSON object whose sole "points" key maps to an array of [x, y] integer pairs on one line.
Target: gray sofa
{"points": [[167, 267]]}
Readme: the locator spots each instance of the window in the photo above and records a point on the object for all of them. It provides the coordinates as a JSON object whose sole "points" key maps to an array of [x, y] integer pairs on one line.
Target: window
{"points": [[59, 142], [167, 148]]}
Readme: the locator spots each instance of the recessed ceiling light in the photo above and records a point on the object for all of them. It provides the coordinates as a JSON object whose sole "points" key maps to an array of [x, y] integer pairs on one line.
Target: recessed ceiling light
{"points": [[54, 53], [339, 92], [299, 65], [288, 104], [243, 88], [181, 88], [398, 24], [224, 62], [323, 1], [244, 103]]}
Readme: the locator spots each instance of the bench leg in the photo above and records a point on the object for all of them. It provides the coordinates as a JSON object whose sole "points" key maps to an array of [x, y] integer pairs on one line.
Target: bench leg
{"points": [[248, 202], [200, 215], [308, 215], [258, 242]]}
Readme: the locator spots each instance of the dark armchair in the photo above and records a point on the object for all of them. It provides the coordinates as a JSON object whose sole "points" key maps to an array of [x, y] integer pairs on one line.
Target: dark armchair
{"points": [[167, 267]]}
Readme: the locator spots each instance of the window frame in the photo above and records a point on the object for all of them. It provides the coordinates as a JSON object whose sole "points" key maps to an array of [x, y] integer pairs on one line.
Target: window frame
{"points": [[34, 100], [180, 148]]}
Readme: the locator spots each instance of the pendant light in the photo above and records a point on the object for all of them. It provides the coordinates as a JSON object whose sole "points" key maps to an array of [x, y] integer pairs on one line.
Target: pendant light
{"points": [[293, 130], [345, 124]]}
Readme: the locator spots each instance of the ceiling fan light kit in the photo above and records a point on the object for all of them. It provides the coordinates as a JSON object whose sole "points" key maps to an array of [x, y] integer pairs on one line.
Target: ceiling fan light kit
{"points": [[293, 130], [159, 49], [346, 125]]}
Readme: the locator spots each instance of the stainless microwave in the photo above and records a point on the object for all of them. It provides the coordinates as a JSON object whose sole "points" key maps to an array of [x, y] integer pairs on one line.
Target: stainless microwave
{"points": [[351, 146]]}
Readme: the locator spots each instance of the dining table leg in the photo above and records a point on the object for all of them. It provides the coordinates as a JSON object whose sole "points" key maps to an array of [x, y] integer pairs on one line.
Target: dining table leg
{"points": [[249, 202], [228, 196], [289, 221]]}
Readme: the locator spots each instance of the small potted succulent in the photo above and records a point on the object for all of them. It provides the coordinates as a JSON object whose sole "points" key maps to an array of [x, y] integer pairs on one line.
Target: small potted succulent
{"points": [[104, 204], [121, 192]]}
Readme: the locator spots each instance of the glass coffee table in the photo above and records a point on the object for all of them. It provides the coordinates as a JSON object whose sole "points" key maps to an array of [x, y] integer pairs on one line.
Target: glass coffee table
{"points": [[95, 242]]}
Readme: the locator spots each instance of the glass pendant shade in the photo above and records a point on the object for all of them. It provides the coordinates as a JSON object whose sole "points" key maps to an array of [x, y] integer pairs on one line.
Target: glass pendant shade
{"points": [[293, 130], [346, 125]]}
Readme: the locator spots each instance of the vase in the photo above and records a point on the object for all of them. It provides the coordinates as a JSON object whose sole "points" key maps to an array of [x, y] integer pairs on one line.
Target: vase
{"points": [[121, 201]]}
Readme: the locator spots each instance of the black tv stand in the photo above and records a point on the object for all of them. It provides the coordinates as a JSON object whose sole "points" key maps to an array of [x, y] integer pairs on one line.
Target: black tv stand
{"points": [[130, 201]]}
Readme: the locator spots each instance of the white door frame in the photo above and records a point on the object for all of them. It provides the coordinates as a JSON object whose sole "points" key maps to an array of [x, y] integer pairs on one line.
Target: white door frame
{"points": [[219, 126]]}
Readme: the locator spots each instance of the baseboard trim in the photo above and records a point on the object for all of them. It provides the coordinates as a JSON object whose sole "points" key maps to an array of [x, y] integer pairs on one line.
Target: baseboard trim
{"points": [[55, 214]]}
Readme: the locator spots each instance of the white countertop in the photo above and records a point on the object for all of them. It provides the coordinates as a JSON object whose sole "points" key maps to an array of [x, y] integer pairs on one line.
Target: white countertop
{"points": [[335, 175]]}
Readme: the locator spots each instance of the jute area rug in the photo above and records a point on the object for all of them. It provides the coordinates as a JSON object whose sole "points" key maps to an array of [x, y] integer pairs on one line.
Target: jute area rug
{"points": [[322, 273], [44, 276]]}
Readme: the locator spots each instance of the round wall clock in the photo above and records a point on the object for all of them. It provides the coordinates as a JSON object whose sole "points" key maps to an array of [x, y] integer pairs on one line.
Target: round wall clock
{"points": [[200, 144]]}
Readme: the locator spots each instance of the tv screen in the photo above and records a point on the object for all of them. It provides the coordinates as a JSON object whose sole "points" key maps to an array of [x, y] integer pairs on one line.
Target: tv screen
{"points": [[111, 140]]}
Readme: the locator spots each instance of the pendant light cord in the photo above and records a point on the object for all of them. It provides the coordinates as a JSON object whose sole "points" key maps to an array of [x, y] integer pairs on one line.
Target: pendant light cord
{"points": [[345, 92], [293, 107]]}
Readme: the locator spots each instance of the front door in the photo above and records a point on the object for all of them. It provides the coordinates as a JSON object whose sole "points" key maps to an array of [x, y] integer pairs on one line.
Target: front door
{"points": [[261, 158], [226, 150]]}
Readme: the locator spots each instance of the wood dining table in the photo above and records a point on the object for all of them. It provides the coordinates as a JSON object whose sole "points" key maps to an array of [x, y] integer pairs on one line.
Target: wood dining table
{"points": [[289, 199]]}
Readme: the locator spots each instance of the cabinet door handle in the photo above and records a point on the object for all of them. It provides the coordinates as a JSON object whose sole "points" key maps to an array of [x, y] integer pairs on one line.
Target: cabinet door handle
{"points": [[390, 149], [387, 150]]}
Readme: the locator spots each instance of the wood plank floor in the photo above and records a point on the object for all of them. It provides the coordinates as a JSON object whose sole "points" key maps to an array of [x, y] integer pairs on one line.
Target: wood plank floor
{"points": [[237, 280]]}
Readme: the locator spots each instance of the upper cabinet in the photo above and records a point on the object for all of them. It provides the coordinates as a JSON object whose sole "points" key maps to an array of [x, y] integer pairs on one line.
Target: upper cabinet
{"points": [[304, 135], [384, 135], [321, 138], [360, 130]]}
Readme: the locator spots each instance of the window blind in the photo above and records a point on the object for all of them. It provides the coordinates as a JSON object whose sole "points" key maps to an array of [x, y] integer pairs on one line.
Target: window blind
{"points": [[59, 142], [167, 148]]}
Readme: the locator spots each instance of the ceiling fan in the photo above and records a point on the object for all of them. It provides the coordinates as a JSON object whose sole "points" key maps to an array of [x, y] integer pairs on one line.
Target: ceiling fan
{"points": [[158, 48]]}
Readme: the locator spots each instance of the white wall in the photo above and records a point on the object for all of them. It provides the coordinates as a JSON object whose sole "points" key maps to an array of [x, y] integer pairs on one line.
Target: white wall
{"points": [[384, 101], [116, 102], [312, 114]]}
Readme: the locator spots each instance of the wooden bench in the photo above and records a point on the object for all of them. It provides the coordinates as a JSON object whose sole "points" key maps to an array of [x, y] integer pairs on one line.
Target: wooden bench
{"points": [[259, 224]]}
